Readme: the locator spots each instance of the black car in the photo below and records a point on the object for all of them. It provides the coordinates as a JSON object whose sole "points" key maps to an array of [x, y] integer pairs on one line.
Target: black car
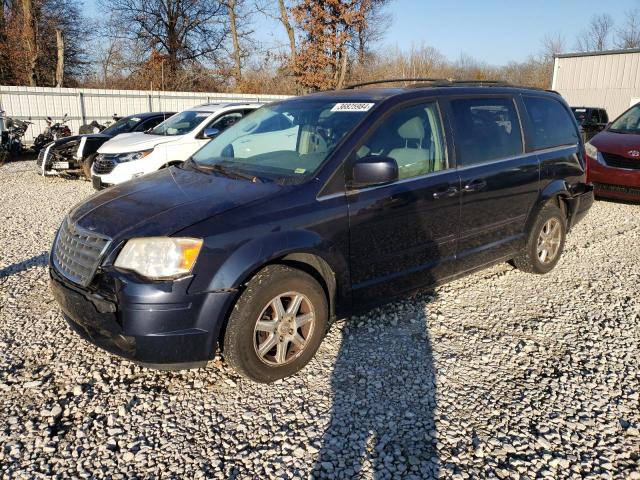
{"points": [[592, 120], [315, 208], [75, 154]]}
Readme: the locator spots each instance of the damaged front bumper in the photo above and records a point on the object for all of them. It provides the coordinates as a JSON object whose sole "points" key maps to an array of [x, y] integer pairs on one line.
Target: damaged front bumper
{"points": [[160, 325]]}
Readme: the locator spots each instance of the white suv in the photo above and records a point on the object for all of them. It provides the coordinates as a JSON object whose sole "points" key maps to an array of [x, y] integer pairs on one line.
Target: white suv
{"points": [[131, 155]]}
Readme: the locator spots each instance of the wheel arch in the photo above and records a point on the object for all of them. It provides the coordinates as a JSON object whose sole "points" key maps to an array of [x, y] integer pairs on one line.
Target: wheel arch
{"points": [[303, 250], [557, 192]]}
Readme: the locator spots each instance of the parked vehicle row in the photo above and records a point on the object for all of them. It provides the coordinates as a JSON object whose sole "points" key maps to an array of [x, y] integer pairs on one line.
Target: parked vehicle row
{"points": [[315, 208], [76, 154]]}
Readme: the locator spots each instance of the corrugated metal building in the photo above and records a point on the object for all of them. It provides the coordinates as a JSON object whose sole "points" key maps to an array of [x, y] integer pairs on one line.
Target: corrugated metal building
{"points": [[609, 79]]}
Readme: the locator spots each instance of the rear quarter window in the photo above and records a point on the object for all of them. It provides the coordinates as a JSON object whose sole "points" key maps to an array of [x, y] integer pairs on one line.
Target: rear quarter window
{"points": [[552, 126]]}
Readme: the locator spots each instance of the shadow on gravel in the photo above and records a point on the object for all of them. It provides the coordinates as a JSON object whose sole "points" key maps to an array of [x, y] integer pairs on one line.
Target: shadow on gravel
{"points": [[37, 261], [382, 418], [384, 381]]}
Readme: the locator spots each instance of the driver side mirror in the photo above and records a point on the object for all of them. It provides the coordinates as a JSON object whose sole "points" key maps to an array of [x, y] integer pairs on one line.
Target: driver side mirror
{"points": [[374, 170], [210, 132]]}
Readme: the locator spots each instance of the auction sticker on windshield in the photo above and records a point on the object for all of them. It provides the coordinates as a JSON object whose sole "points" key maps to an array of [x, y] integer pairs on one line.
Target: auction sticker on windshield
{"points": [[352, 107]]}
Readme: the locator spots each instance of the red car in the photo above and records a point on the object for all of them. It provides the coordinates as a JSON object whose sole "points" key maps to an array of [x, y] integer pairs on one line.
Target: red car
{"points": [[614, 158]]}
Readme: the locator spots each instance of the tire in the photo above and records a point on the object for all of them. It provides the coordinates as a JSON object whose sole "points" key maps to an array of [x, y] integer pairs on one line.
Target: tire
{"points": [[295, 346], [532, 259], [87, 163]]}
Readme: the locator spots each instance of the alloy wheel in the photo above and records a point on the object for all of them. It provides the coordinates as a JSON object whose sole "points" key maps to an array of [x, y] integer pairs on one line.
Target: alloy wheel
{"points": [[284, 328], [549, 241]]}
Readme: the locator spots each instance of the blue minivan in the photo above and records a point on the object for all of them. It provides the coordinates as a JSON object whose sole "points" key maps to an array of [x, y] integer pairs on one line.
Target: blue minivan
{"points": [[314, 208]]}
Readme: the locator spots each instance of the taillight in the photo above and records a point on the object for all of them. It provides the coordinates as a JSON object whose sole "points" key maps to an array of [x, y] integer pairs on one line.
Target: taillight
{"points": [[586, 164]]}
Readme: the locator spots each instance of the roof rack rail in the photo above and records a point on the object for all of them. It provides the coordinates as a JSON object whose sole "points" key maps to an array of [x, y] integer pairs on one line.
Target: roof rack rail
{"points": [[446, 82], [396, 80]]}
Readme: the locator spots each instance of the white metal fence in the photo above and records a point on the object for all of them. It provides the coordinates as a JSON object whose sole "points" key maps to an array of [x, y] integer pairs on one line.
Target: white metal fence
{"points": [[82, 105]]}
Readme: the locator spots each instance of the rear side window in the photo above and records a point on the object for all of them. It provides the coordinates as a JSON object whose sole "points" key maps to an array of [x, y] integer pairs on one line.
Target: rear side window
{"points": [[552, 125], [487, 129]]}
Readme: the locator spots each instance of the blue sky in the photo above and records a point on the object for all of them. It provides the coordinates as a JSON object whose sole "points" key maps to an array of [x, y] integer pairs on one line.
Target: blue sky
{"points": [[491, 31], [495, 31]]}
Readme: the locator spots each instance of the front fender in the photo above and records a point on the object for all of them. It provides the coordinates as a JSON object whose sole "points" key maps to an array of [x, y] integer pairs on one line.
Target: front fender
{"points": [[251, 256]]}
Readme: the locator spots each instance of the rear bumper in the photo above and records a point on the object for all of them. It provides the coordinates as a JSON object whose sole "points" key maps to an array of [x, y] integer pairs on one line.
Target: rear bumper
{"points": [[618, 183], [157, 325], [579, 204]]}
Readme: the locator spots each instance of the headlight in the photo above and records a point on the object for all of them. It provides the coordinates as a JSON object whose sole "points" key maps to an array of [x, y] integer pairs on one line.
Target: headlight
{"points": [[592, 152], [159, 257], [129, 157]]}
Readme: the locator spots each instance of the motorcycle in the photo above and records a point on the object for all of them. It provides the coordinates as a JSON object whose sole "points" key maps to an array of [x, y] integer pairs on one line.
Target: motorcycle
{"points": [[16, 130], [53, 132], [95, 127]]}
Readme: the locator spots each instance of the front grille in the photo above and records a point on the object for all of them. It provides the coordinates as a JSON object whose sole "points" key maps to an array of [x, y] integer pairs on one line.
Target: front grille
{"points": [[104, 164], [618, 161], [77, 252], [616, 188]]}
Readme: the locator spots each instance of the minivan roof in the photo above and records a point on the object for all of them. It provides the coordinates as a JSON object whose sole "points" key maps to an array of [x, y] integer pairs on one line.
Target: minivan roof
{"points": [[370, 93]]}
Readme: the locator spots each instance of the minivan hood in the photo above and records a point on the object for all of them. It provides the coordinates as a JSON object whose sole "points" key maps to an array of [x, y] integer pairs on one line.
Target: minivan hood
{"points": [[618, 143], [135, 142], [165, 202]]}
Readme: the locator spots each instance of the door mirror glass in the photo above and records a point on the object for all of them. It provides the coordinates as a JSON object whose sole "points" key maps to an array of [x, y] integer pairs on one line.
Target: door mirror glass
{"points": [[211, 132], [374, 170]]}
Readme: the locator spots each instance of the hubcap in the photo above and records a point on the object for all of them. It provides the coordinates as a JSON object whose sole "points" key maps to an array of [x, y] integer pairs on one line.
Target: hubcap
{"points": [[283, 328], [549, 241]]}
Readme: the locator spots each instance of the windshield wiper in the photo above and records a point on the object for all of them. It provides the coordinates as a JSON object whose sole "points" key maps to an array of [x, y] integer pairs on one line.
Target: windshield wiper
{"points": [[227, 172]]}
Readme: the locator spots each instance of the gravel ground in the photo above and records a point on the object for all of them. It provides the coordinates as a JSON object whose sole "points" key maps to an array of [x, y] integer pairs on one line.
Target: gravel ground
{"points": [[501, 374]]}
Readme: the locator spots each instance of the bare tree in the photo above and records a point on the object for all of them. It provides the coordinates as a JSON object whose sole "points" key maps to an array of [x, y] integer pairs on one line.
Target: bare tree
{"points": [[239, 22], [237, 57], [286, 23], [280, 12], [552, 45], [60, 58], [595, 38], [182, 31], [30, 38], [629, 35], [372, 30]]}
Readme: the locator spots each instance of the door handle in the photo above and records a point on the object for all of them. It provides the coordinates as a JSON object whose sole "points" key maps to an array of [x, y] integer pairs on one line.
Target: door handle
{"points": [[449, 192], [475, 186]]}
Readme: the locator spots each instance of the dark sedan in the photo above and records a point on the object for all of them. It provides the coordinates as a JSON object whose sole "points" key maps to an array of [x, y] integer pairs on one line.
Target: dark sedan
{"points": [[75, 154]]}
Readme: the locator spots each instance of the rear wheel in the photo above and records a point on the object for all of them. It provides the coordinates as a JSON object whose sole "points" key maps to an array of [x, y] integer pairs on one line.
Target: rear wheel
{"points": [[277, 324], [87, 163], [545, 242]]}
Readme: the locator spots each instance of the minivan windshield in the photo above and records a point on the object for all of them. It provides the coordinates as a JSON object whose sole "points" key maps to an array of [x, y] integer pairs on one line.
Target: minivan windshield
{"points": [[628, 122], [181, 123], [284, 143]]}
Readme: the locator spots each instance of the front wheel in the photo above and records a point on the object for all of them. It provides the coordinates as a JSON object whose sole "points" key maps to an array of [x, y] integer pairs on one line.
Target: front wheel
{"points": [[545, 242], [87, 163], [277, 324]]}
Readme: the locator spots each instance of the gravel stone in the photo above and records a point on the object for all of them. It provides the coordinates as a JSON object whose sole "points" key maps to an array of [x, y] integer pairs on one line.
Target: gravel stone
{"points": [[497, 375]]}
